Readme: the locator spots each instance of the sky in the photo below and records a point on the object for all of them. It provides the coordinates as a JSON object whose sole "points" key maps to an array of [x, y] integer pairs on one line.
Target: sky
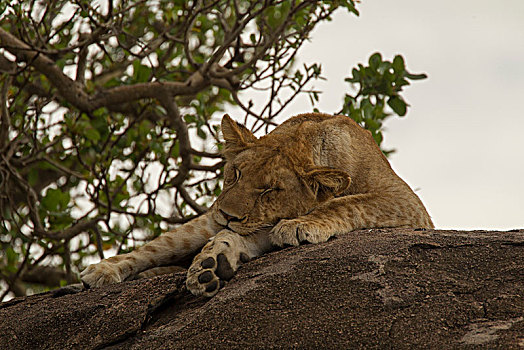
{"points": [[461, 144]]}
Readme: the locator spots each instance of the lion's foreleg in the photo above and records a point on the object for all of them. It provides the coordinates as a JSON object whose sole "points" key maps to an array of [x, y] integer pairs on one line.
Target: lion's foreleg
{"points": [[166, 249], [344, 214], [220, 259]]}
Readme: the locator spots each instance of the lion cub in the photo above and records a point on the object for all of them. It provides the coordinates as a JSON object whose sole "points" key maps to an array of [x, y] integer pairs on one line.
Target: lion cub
{"points": [[313, 177]]}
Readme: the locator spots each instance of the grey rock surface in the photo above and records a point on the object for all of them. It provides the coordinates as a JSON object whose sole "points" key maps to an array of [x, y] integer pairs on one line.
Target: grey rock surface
{"points": [[382, 288]]}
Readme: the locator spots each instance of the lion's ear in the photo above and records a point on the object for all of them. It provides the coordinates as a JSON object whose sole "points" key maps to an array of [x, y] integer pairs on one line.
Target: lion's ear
{"points": [[327, 182], [237, 136]]}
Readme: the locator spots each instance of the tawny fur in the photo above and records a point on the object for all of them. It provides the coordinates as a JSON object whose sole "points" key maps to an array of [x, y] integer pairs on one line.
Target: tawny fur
{"points": [[313, 177]]}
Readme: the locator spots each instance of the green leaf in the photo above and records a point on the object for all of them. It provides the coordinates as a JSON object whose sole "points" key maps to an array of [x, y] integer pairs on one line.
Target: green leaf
{"points": [[350, 6], [317, 69], [33, 176], [201, 134], [374, 61], [355, 76], [398, 64], [3, 6], [55, 200], [176, 150], [416, 76], [92, 134], [372, 124], [189, 119], [298, 76], [398, 105], [141, 73], [12, 256], [378, 137]]}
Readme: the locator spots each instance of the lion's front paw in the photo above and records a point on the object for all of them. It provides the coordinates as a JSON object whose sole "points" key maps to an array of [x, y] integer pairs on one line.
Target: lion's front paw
{"points": [[100, 274], [216, 264], [296, 231]]}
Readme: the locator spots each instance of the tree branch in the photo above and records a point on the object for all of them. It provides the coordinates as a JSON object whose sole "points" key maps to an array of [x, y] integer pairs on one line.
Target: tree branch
{"points": [[128, 93], [5, 122], [193, 204], [74, 230], [205, 154], [68, 88], [176, 121], [45, 275]]}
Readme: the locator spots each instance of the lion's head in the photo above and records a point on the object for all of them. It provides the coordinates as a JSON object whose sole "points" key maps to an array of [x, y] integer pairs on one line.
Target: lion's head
{"points": [[270, 179]]}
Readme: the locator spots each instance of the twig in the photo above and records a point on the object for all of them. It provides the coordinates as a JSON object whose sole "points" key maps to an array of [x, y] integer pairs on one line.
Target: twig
{"points": [[5, 122]]}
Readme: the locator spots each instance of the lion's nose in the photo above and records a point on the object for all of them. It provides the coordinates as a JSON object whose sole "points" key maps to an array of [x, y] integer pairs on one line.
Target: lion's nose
{"points": [[230, 217]]}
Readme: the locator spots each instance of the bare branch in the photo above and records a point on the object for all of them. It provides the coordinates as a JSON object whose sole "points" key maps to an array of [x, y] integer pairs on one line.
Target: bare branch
{"points": [[127, 93], [4, 112], [81, 65], [7, 66], [198, 208], [175, 120], [68, 88], [99, 247], [72, 231], [210, 168], [205, 154], [46, 275]]}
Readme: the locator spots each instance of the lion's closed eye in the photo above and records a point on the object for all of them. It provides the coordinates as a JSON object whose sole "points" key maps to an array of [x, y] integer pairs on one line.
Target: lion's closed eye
{"points": [[231, 177], [268, 193], [266, 190]]}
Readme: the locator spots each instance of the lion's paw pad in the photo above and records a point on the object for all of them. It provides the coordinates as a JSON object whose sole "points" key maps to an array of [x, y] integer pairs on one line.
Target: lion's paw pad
{"points": [[208, 275]]}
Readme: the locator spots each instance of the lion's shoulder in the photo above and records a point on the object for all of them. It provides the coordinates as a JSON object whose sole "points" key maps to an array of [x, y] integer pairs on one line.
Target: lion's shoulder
{"points": [[321, 133], [318, 124]]}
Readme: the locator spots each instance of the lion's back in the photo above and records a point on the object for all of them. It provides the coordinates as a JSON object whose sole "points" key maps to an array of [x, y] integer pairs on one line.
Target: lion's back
{"points": [[335, 141], [329, 128]]}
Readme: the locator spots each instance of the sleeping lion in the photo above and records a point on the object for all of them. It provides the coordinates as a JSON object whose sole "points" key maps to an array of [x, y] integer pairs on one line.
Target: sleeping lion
{"points": [[312, 178]]}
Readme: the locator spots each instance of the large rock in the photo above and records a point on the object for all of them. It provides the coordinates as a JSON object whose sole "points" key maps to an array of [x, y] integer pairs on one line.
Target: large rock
{"points": [[389, 288]]}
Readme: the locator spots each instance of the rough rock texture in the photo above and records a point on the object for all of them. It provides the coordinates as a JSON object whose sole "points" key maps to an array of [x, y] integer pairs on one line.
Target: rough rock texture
{"points": [[367, 289]]}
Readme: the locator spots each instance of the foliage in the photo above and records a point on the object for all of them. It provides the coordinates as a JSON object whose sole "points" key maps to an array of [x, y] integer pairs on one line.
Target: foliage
{"points": [[380, 83], [107, 133]]}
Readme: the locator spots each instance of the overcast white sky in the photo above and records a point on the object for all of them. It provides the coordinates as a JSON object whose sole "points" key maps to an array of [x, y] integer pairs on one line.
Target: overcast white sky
{"points": [[461, 144]]}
